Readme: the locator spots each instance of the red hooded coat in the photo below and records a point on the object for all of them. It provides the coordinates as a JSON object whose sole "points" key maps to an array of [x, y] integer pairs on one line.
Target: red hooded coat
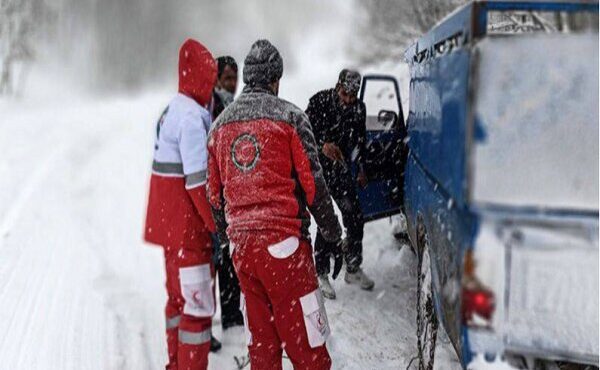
{"points": [[178, 213]]}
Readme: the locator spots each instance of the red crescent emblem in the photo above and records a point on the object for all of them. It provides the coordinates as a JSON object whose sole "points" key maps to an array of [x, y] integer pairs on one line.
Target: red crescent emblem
{"points": [[245, 152], [320, 321], [196, 296]]}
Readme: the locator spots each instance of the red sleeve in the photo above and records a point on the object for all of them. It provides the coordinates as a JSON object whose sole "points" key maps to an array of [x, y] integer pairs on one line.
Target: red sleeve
{"points": [[303, 169], [215, 193], [214, 179], [198, 195]]}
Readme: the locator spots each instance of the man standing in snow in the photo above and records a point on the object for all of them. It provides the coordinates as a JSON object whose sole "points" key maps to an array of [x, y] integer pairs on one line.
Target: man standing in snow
{"points": [[179, 216], [263, 171], [229, 286], [338, 121]]}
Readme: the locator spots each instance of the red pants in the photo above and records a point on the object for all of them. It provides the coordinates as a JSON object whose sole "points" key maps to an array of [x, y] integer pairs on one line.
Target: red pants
{"points": [[189, 309], [282, 305]]}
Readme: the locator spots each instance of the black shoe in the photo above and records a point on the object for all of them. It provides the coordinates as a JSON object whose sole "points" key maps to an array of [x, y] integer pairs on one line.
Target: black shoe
{"points": [[215, 345]]}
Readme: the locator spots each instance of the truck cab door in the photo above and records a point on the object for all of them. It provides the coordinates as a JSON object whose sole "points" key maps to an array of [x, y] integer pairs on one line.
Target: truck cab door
{"points": [[385, 148]]}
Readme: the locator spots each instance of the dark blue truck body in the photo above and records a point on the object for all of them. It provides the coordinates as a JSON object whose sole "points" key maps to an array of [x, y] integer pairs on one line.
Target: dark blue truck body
{"points": [[442, 130]]}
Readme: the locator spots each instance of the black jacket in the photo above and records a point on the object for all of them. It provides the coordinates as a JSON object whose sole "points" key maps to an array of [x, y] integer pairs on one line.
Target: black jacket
{"points": [[219, 105], [342, 126]]}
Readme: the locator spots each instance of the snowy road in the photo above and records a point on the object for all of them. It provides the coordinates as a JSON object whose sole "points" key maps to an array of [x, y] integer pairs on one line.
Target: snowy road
{"points": [[80, 290], [74, 280]]}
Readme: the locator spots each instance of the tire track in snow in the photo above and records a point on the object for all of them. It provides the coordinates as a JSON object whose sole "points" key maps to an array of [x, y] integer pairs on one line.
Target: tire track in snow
{"points": [[35, 181], [17, 269], [12, 216], [23, 283], [119, 296]]}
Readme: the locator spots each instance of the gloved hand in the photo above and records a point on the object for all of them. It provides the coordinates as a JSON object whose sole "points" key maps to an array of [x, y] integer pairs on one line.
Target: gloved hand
{"points": [[338, 257], [217, 250]]}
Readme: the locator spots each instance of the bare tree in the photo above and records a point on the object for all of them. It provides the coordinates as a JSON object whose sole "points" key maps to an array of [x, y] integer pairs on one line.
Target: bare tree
{"points": [[389, 26], [19, 20]]}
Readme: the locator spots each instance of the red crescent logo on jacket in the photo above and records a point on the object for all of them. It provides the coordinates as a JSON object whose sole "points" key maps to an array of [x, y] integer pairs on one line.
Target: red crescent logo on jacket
{"points": [[245, 152], [196, 297], [321, 323]]}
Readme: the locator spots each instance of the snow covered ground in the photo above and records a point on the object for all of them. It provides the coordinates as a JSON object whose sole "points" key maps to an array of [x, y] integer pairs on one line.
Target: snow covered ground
{"points": [[80, 290]]}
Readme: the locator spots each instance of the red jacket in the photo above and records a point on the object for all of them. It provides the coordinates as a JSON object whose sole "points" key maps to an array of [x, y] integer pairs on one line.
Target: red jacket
{"points": [[264, 172], [178, 213]]}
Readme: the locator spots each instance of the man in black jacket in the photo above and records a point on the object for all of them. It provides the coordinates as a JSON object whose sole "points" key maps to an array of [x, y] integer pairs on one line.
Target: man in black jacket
{"points": [[229, 286], [338, 121]]}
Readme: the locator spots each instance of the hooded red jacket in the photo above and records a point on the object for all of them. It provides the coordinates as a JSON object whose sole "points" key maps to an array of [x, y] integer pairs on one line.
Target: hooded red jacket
{"points": [[178, 213]]}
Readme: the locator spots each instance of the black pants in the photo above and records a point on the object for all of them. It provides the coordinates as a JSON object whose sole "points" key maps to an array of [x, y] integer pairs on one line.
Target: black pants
{"points": [[342, 188], [229, 291]]}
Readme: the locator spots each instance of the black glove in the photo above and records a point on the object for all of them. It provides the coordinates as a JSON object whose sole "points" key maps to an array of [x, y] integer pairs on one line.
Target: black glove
{"points": [[217, 250], [338, 257]]}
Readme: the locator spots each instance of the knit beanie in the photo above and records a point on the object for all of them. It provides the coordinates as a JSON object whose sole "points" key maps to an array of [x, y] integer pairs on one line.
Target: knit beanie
{"points": [[263, 64]]}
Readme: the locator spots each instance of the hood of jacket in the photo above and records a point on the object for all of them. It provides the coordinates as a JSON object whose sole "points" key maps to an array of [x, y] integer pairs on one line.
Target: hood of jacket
{"points": [[197, 72]]}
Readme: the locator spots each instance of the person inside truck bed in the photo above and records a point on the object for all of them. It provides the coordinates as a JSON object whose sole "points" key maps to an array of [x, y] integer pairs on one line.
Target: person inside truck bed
{"points": [[338, 119]]}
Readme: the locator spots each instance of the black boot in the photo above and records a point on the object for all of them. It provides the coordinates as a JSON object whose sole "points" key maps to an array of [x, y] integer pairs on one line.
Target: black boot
{"points": [[215, 345]]}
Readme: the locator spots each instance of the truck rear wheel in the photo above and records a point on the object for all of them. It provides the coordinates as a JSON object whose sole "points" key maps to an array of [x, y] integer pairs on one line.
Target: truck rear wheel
{"points": [[427, 322]]}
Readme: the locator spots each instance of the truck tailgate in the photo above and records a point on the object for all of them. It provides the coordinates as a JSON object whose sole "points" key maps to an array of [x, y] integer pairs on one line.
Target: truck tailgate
{"points": [[552, 292]]}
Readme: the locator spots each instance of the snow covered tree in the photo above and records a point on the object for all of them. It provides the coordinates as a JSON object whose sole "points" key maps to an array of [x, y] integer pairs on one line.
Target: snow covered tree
{"points": [[389, 26], [19, 21]]}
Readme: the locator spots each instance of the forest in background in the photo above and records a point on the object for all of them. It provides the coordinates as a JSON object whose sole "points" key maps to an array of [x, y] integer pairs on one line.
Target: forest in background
{"points": [[114, 44]]}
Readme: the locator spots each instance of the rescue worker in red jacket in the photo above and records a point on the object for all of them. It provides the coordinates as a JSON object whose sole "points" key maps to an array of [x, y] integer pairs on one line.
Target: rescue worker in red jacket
{"points": [[263, 171], [179, 216]]}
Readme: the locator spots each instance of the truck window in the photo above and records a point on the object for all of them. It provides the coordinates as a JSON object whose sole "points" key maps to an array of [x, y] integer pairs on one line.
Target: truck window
{"points": [[380, 95]]}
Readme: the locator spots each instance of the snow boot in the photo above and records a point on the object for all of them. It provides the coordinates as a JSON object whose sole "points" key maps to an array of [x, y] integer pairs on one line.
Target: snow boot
{"points": [[400, 230], [326, 288], [215, 345], [360, 278]]}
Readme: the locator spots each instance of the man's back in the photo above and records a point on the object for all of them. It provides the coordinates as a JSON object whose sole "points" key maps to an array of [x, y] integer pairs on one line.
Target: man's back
{"points": [[267, 167], [179, 167], [181, 112]]}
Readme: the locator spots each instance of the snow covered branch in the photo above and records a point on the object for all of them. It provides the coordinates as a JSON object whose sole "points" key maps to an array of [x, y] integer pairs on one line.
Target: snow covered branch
{"points": [[389, 26], [19, 21]]}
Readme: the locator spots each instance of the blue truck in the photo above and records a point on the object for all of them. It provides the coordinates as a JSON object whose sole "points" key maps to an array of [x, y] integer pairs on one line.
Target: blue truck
{"points": [[496, 171]]}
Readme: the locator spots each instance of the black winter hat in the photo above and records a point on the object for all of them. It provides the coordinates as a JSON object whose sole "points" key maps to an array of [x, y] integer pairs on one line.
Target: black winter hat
{"points": [[263, 64]]}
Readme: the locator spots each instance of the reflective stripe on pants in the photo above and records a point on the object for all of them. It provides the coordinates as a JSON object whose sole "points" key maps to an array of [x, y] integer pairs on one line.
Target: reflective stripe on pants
{"points": [[189, 337], [173, 322]]}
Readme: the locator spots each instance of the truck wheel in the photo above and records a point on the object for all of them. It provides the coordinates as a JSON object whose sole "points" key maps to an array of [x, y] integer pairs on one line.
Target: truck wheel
{"points": [[427, 322]]}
